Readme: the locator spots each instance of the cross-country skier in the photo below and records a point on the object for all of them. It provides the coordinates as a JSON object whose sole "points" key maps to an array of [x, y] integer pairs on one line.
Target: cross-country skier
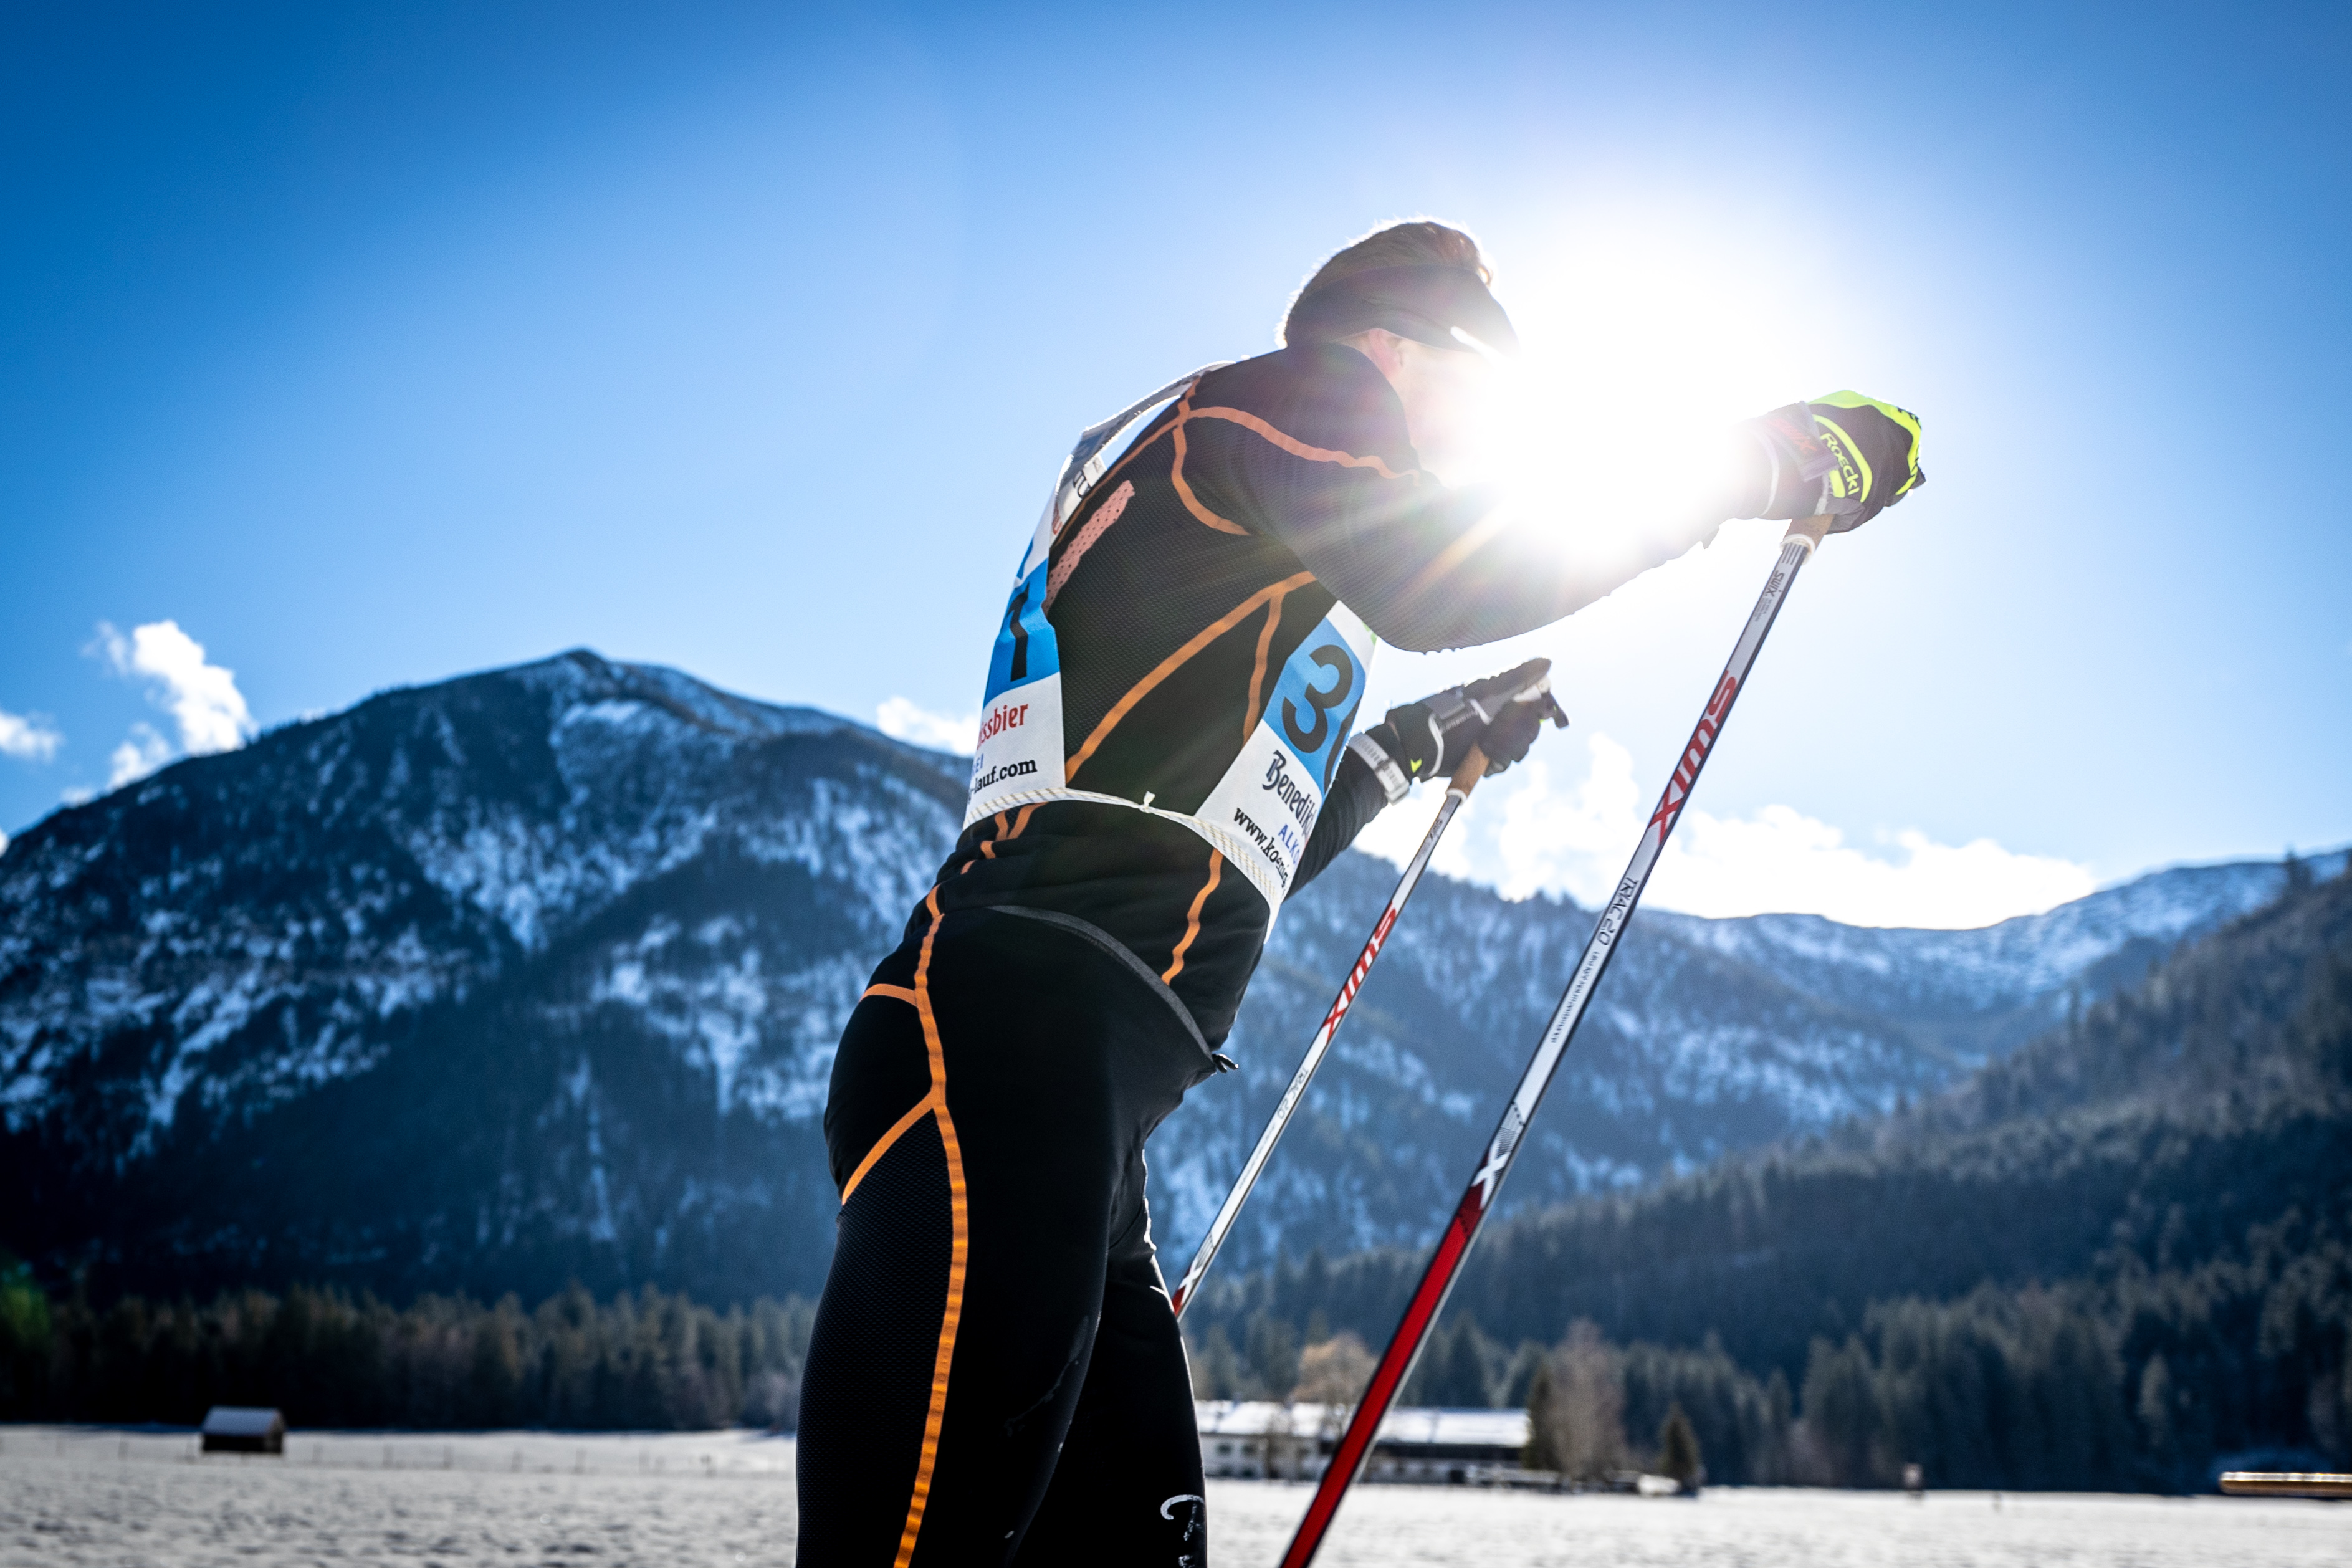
{"points": [[996, 1372]]}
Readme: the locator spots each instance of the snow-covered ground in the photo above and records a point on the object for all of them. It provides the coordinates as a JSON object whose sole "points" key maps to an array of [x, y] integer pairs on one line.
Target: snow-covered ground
{"points": [[72, 1496], [1771, 1527]]}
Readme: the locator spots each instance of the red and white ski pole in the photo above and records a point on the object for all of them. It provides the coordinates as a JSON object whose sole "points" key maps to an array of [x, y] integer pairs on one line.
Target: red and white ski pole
{"points": [[1457, 790], [1478, 1201]]}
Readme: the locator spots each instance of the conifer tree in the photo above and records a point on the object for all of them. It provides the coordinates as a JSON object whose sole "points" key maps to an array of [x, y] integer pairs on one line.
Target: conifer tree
{"points": [[1678, 1453], [1216, 1370], [1542, 1452], [1272, 1349]]}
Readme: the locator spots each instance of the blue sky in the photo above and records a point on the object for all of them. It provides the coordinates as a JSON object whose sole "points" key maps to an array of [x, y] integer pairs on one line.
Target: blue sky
{"points": [[373, 345]]}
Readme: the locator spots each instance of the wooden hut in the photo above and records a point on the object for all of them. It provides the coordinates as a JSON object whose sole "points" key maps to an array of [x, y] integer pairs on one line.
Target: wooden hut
{"points": [[241, 1429]]}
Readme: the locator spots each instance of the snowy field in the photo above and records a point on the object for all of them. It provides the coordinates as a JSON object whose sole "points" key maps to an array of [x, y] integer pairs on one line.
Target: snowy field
{"points": [[71, 1496]]}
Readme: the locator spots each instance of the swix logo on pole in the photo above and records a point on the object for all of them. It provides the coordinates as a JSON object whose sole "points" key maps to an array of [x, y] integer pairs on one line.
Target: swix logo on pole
{"points": [[1347, 997], [1701, 740], [1498, 1157]]}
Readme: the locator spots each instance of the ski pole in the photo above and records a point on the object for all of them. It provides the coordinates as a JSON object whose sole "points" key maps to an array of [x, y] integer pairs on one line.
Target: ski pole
{"points": [[1457, 790], [1478, 1200]]}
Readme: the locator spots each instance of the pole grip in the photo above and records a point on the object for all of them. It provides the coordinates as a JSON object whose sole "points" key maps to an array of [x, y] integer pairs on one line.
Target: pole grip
{"points": [[1810, 530], [1466, 777]]}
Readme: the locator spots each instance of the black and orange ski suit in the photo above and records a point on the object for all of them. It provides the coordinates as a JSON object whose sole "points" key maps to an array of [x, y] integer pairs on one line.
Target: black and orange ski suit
{"points": [[995, 1374]]}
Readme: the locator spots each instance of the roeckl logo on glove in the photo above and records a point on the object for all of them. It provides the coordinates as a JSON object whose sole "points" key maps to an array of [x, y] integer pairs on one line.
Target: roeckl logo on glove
{"points": [[1846, 483]]}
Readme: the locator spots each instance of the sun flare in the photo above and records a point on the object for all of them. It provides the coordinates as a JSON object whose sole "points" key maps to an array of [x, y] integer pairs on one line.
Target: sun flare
{"points": [[1639, 349]]}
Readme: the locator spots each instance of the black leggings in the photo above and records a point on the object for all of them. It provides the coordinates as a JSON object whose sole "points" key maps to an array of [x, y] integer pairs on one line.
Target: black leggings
{"points": [[995, 1374]]}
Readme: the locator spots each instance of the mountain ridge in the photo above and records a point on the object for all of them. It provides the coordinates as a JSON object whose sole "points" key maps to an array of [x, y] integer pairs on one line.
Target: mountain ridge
{"points": [[536, 973]]}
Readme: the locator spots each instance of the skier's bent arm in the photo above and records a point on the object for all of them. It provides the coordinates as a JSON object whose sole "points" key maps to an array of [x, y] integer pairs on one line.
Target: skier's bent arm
{"points": [[1357, 796], [1499, 716]]}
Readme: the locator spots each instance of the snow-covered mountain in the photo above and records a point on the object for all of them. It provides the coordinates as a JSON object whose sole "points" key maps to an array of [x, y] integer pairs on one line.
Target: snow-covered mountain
{"points": [[536, 975]]}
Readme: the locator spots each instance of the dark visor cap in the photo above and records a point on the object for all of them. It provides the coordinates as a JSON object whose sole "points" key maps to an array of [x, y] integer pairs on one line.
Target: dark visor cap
{"points": [[1423, 303]]}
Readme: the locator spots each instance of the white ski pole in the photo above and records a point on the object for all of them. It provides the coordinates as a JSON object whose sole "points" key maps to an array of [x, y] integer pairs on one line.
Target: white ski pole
{"points": [[1478, 1200], [1457, 790]]}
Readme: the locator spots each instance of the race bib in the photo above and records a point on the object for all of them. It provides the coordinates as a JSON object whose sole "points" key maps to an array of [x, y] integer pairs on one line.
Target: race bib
{"points": [[1019, 747], [1268, 801]]}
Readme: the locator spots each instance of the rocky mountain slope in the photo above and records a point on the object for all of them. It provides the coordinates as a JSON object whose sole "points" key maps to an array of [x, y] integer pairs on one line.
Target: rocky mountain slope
{"points": [[535, 974]]}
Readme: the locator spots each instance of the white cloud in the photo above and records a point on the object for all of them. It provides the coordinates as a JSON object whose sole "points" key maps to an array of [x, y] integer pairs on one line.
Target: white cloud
{"points": [[901, 719], [1525, 833], [31, 736], [137, 757], [1782, 859], [202, 698]]}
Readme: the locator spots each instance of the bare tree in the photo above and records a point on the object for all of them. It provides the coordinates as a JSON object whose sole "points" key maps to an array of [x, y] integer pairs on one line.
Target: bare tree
{"points": [[1333, 1374], [1584, 1411]]}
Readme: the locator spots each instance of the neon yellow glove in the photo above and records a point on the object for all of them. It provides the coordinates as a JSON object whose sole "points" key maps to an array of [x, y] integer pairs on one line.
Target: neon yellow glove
{"points": [[1844, 454]]}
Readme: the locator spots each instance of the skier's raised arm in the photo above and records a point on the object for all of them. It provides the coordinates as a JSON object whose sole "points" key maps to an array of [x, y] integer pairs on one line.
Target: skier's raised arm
{"points": [[1329, 447]]}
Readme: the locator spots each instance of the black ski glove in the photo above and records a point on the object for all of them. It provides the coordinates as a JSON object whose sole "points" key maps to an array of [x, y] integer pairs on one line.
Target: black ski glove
{"points": [[1500, 715], [1844, 454]]}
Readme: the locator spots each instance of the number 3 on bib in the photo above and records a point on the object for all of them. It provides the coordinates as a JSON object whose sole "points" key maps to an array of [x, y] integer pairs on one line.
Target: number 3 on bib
{"points": [[1267, 802]]}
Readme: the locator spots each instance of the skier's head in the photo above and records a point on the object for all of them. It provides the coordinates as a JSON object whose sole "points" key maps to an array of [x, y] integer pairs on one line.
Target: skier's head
{"points": [[1412, 298]]}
